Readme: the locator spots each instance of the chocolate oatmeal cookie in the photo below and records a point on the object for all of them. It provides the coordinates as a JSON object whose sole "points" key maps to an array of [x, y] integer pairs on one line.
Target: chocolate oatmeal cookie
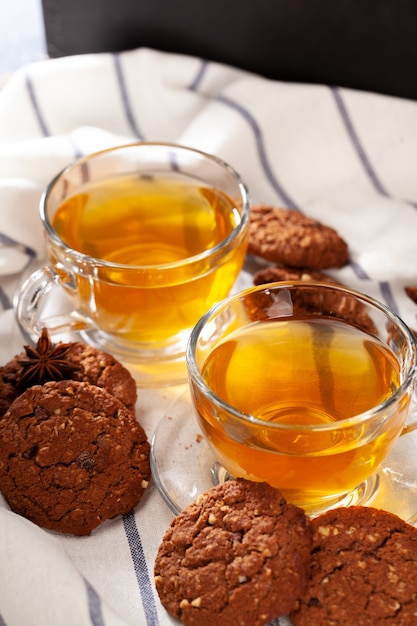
{"points": [[238, 555], [364, 571], [71, 456], [70, 361], [290, 238]]}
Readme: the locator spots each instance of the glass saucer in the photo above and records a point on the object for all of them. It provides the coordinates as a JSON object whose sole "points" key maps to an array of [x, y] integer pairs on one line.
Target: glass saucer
{"points": [[184, 466], [181, 459]]}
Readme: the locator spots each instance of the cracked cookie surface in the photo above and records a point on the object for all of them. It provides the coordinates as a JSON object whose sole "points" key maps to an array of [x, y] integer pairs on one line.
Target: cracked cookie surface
{"points": [[71, 456], [290, 238], [238, 555], [363, 571]]}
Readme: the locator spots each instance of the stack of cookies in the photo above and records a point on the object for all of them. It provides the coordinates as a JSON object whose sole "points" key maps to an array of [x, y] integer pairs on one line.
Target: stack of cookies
{"points": [[300, 249], [297, 247], [72, 453]]}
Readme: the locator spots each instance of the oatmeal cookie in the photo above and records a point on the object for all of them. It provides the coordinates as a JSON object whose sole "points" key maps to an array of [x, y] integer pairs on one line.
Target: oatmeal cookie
{"points": [[238, 555], [71, 456], [290, 238], [364, 571], [71, 361]]}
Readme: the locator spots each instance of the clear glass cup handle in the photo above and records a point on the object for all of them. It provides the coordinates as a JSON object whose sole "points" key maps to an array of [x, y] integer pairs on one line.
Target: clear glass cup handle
{"points": [[31, 299]]}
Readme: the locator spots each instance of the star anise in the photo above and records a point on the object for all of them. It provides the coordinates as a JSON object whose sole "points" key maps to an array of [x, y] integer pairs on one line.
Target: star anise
{"points": [[46, 361]]}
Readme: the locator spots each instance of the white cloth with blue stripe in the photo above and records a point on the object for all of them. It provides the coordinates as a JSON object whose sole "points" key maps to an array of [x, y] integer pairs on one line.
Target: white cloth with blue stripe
{"points": [[345, 157]]}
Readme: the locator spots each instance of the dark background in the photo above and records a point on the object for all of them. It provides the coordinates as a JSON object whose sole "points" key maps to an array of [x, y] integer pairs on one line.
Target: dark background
{"points": [[362, 44]]}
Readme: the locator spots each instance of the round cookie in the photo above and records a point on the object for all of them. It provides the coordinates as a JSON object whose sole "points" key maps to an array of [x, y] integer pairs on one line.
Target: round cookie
{"points": [[364, 571], [71, 456], [290, 238], [84, 363], [238, 555]]}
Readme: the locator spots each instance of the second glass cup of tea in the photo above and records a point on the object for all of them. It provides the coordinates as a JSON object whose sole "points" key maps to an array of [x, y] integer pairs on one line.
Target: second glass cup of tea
{"points": [[304, 386], [144, 238]]}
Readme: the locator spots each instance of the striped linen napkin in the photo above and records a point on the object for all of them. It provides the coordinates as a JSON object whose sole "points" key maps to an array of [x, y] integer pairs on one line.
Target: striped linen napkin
{"points": [[344, 157]]}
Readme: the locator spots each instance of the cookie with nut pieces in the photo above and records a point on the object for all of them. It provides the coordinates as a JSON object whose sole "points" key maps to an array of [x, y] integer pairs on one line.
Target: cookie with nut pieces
{"points": [[238, 555], [72, 456], [288, 237], [74, 360], [363, 571]]}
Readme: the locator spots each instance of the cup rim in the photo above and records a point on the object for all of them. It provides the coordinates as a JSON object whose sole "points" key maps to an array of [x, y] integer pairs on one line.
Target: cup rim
{"points": [[188, 261], [195, 376]]}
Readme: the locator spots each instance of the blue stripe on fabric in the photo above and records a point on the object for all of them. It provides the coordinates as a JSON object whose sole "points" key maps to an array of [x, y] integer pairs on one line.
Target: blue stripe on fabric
{"points": [[388, 296], [13, 243], [78, 153], [125, 98], [94, 605], [193, 86], [173, 161], [354, 137], [289, 202], [359, 271], [35, 105], [7, 241], [141, 569], [411, 203], [5, 301], [366, 163], [360, 149]]}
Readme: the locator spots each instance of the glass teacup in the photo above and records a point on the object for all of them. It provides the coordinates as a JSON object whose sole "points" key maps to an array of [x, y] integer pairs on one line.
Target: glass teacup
{"points": [[143, 239], [304, 385]]}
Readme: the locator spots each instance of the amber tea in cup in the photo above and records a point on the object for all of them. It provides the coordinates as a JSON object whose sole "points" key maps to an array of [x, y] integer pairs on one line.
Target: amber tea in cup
{"points": [[305, 386], [144, 238]]}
